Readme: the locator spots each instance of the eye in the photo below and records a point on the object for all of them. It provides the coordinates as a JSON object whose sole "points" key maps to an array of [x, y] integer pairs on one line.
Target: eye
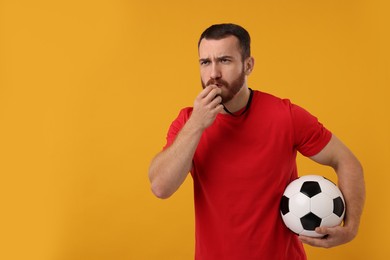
{"points": [[204, 62], [225, 60]]}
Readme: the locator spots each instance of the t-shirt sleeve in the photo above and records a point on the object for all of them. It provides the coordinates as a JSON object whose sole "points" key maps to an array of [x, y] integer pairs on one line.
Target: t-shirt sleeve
{"points": [[177, 125], [310, 136]]}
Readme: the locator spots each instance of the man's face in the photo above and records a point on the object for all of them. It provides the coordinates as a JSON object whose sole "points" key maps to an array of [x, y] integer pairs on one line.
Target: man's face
{"points": [[221, 65]]}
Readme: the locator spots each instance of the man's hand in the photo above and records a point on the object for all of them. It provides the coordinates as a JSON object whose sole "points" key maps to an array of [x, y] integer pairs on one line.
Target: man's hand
{"points": [[332, 237], [207, 106], [170, 167], [351, 183]]}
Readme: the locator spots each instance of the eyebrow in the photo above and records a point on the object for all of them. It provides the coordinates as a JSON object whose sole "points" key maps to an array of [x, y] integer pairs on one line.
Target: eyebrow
{"points": [[225, 57], [218, 58], [205, 59]]}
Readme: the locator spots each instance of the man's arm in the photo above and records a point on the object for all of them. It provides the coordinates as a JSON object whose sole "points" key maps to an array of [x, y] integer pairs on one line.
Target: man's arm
{"points": [[170, 167], [351, 183]]}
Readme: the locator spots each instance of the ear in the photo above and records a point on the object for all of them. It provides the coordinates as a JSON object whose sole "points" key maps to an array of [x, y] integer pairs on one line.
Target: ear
{"points": [[249, 63]]}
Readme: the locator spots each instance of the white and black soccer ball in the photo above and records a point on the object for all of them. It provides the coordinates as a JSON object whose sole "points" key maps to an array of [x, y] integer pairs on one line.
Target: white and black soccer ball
{"points": [[311, 201]]}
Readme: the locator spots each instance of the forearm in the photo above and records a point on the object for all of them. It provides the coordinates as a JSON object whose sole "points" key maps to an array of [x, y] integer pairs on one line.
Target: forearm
{"points": [[351, 183], [170, 167]]}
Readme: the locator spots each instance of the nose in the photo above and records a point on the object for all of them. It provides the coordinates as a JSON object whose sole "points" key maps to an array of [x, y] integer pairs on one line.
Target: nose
{"points": [[215, 71]]}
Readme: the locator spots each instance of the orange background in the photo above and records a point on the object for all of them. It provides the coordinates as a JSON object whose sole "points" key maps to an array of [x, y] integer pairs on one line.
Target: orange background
{"points": [[89, 88]]}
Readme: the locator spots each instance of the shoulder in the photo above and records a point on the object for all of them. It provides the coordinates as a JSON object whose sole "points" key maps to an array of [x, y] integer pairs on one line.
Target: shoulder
{"points": [[184, 114], [181, 118], [269, 98], [177, 124], [270, 103]]}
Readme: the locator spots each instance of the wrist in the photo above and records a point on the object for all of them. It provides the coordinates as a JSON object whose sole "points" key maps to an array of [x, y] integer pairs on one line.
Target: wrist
{"points": [[352, 227], [194, 126]]}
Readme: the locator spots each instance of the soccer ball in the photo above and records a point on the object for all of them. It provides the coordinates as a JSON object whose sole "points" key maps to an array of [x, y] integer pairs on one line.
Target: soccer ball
{"points": [[311, 201]]}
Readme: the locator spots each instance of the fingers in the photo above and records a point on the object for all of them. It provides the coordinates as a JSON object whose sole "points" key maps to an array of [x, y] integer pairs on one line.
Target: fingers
{"points": [[331, 237], [210, 99], [325, 231], [207, 106], [209, 93], [216, 101], [316, 242]]}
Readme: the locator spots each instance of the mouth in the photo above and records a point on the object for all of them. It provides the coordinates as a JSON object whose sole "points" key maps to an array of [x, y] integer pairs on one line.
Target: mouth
{"points": [[219, 85], [214, 82]]}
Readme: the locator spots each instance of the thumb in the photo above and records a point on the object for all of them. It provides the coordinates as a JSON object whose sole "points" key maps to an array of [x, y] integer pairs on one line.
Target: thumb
{"points": [[322, 230]]}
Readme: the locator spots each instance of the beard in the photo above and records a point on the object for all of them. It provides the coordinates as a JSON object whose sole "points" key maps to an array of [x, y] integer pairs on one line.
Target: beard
{"points": [[229, 90]]}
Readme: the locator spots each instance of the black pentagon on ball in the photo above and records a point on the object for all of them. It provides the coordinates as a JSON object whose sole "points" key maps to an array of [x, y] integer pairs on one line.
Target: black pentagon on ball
{"points": [[310, 221], [284, 205], [310, 188], [338, 206]]}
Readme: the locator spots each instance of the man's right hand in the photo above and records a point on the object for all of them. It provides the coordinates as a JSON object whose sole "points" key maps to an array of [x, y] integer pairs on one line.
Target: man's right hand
{"points": [[207, 106], [170, 167]]}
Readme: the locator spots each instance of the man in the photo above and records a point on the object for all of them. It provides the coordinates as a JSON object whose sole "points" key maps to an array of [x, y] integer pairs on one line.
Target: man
{"points": [[240, 146]]}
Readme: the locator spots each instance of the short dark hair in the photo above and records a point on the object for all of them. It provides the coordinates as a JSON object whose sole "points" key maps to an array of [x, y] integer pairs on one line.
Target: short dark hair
{"points": [[220, 31]]}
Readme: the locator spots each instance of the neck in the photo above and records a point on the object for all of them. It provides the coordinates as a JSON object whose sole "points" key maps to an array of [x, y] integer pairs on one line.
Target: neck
{"points": [[239, 101]]}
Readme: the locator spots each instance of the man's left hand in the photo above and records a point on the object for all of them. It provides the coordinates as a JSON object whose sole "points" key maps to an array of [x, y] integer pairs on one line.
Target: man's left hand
{"points": [[332, 237]]}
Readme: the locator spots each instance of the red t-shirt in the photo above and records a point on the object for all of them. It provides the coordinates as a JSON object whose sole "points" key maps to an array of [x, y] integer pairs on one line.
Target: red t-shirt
{"points": [[240, 170]]}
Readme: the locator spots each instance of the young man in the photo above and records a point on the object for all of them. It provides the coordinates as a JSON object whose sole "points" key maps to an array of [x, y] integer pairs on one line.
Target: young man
{"points": [[240, 146]]}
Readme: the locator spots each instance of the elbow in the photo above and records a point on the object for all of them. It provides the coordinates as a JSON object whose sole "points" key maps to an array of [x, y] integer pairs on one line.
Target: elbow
{"points": [[160, 192], [162, 184], [158, 187]]}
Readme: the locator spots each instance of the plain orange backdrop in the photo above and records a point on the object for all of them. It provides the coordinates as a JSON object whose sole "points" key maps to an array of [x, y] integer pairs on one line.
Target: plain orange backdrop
{"points": [[88, 90]]}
